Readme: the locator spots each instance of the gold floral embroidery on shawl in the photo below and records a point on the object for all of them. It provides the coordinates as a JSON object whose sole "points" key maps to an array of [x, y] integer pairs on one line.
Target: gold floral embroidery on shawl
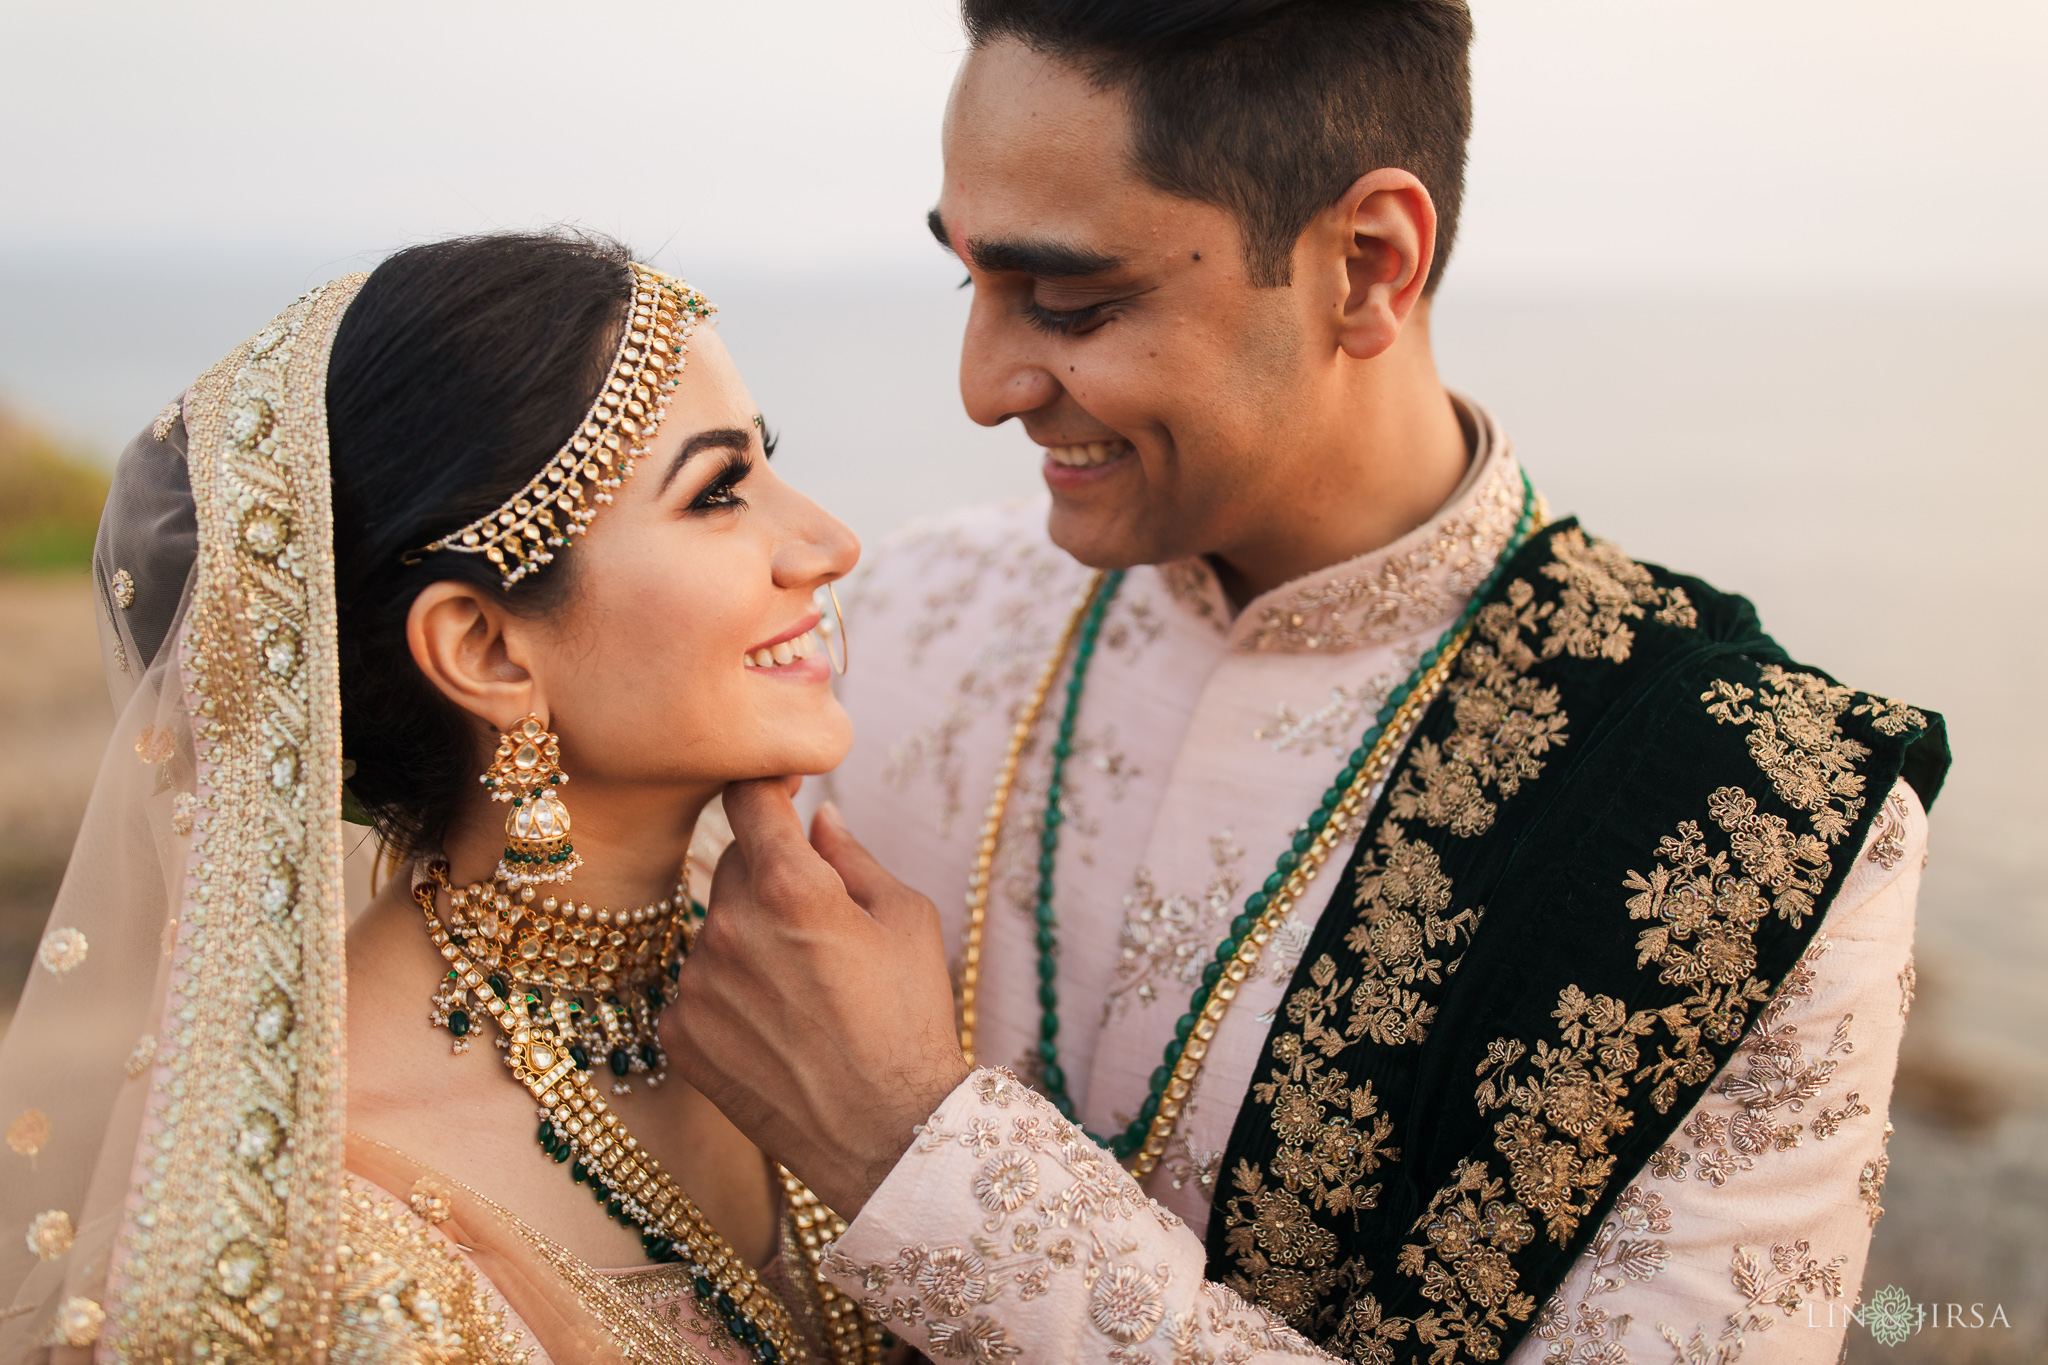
{"points": [[1889, 717], [1503, 725], [1470, 1230], [1603, 590], [1332, 1135], [1565, 1100], [1573, 1090], [1796, 738]]}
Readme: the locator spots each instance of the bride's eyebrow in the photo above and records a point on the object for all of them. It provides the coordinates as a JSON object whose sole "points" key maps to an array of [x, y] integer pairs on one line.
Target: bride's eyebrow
{"points": [[736, 439]]}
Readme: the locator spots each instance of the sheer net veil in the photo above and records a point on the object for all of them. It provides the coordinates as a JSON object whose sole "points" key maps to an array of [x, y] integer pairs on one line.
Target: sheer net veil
{"points": [[171, 1086]]}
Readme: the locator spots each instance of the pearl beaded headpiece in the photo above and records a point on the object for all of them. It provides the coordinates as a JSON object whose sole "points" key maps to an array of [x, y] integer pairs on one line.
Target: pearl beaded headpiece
{"points": [[559, 502]]}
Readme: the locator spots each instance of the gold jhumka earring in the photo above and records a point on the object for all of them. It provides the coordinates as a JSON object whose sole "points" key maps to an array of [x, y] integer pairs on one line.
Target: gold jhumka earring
{"points": [[526, 771], [553, 953]]}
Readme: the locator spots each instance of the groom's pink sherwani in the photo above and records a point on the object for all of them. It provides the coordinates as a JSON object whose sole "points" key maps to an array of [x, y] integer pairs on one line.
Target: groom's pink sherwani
{"points": [[1205, 737]]}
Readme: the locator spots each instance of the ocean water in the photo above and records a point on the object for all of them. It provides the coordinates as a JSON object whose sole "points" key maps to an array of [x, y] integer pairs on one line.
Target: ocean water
{"points": [[1872, 473]]}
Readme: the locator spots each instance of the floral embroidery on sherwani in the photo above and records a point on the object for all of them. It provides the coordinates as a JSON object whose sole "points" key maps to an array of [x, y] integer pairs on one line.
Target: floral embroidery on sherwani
{"points": [[1507, 924], [1056, 1212]]}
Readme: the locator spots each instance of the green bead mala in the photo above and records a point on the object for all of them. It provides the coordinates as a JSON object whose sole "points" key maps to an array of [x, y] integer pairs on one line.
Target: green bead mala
{"points": [[1054, 1079]]}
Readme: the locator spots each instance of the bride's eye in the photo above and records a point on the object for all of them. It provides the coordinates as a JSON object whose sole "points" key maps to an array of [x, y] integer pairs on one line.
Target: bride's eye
{"points": [[724, 489]]}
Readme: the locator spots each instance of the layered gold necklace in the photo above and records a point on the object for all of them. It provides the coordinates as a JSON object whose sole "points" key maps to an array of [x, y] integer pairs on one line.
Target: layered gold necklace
{"points": [[557, 953], [526, 961]]}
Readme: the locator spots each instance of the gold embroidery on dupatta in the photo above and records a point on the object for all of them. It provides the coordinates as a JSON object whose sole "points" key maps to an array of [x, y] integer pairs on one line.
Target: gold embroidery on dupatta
{"points": [[1470, 1230], [1396, 882], [1889, 717], [1284, 1259], [244, 1119], [1505, 727], [402, 1297]]}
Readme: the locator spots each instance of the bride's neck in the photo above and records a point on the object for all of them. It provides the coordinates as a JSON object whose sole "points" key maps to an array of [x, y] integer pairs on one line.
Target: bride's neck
{"points": [[632, 840]]}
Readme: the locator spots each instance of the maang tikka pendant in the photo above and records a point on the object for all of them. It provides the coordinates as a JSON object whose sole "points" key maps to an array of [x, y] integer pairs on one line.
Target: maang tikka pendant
{"points": [[526, 771]]}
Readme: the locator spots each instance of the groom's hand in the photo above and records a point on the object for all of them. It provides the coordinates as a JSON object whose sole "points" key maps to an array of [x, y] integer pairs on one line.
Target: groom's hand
{"points": [[815, 1009]]}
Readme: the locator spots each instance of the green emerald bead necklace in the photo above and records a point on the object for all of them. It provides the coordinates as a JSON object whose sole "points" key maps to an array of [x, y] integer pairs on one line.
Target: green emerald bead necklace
{"points": [[1126, 1143]]}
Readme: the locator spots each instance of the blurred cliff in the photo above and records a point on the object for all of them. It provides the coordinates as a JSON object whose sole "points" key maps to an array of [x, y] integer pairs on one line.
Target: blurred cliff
{"points": [[54, 713]]}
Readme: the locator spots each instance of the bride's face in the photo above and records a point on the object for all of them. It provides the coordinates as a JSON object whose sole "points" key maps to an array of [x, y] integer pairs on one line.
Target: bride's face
{"points": [[687, 650]]}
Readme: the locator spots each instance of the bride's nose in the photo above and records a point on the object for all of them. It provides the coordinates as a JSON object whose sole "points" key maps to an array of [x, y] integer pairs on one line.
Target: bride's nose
{"points": [[818, 549]]}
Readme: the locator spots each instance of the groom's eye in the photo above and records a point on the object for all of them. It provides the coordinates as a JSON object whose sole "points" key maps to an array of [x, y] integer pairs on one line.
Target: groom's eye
{"points": [[1067, 322]]}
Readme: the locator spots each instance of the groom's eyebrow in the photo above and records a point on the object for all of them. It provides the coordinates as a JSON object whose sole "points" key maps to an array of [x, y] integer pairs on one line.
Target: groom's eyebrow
{"points": [[735, 439], [1039, 257]]}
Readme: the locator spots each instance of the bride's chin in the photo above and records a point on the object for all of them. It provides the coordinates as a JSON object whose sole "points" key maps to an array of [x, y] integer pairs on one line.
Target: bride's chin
{"points": [[805, 740]]}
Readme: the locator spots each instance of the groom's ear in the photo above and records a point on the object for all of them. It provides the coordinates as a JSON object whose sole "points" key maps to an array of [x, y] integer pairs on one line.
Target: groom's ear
{"points": [[461, 639]]}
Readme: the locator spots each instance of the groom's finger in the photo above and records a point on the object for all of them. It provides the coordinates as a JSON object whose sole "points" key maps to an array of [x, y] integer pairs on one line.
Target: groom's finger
{"points": [[729, 878], [764, 819], [784, 873], [865, 879]]}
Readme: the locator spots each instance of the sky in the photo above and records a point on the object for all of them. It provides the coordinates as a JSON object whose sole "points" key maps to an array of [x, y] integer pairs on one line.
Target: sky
{"points": [[1789, 146]]}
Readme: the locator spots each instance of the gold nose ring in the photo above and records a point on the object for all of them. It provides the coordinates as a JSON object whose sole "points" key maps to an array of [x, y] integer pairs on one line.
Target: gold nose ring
{"points": [[838, 629]]}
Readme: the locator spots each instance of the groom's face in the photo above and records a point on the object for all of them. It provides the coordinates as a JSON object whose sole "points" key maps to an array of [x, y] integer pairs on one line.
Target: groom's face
{"points": [[1116, 322]]}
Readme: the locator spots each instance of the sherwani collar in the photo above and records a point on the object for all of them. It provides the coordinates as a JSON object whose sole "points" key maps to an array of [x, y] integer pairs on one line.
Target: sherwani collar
{"points": [[1414, 585]]}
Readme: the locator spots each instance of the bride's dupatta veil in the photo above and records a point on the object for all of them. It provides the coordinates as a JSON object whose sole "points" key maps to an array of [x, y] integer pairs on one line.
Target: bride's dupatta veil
{"points": [[173, 1081], [180, 1183]]}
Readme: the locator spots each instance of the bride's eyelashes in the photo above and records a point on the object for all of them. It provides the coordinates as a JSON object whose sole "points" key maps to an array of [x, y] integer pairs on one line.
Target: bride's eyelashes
{"points": [[723, 490]]}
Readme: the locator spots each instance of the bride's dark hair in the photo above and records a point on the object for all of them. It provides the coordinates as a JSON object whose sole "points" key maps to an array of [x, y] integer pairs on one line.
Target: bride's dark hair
{"points": [[460, 368]]}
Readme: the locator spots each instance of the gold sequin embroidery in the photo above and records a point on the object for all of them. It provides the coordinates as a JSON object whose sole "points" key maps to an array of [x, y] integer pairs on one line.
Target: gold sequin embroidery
{"points": [[50, 1234], [1406, 591], [29, 1132], [62, 950]]}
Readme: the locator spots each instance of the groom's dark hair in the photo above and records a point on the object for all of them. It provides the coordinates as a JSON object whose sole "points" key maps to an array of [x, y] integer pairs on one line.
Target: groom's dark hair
{"points": [[1270, 108]]}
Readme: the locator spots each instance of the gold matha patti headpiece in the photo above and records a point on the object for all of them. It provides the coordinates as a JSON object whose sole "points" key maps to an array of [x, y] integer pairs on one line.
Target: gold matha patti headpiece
{"points": [[523, 534]]}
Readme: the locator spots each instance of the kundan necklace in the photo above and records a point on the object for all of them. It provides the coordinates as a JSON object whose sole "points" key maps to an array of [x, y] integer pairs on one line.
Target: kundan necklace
{"points": [[526, 967], [558, 952], [1143, 1141]]}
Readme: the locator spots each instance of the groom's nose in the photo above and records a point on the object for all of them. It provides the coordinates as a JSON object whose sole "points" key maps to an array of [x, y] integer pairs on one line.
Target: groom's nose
{"points": [[1004, 371]]}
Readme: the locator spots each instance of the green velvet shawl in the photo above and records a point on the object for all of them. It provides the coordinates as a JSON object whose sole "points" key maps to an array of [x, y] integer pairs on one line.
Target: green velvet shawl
{"points": [[1609, 840]]}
